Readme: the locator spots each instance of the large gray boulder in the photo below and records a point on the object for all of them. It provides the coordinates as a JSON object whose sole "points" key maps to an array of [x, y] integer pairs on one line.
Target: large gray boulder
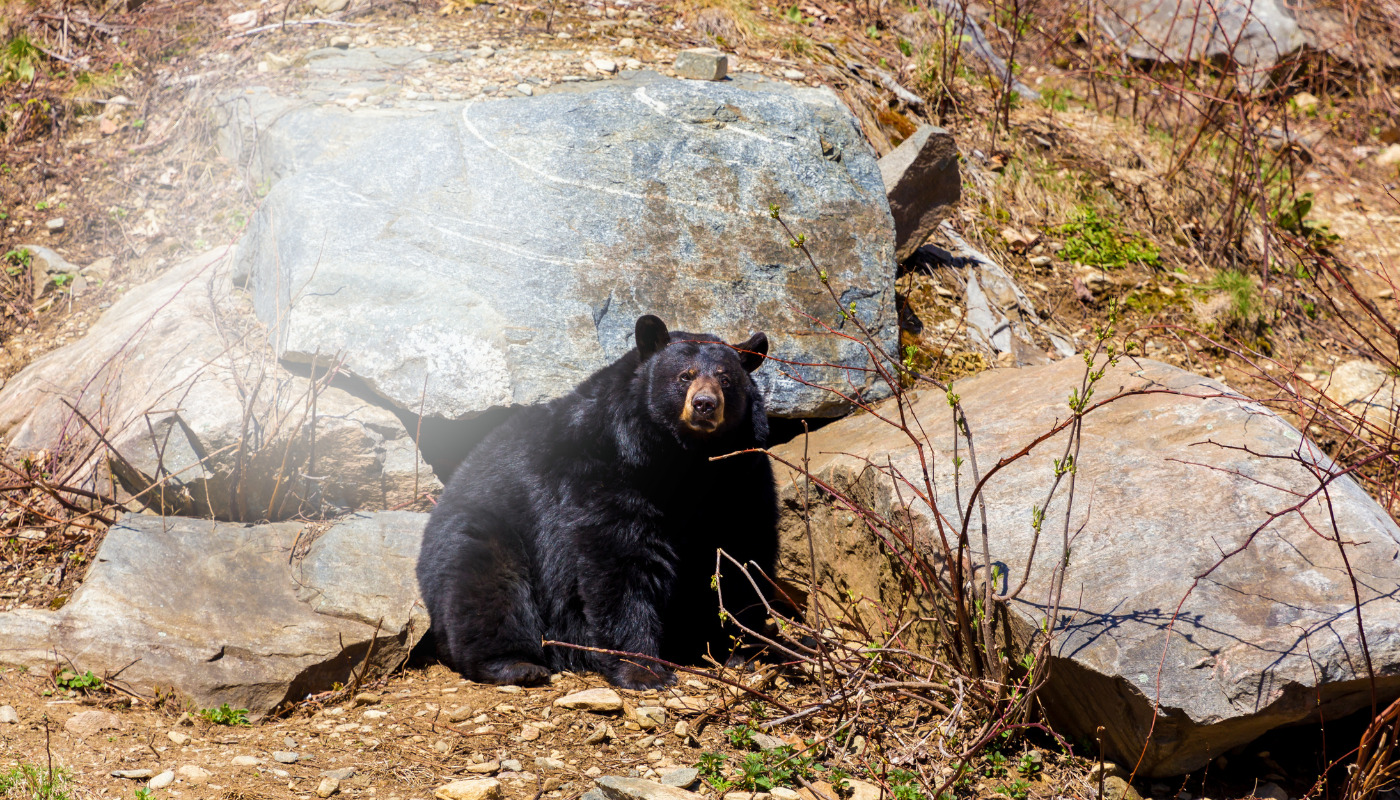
{"points": [[177, 378], [249, 615], [497, 253], [1255, 34], [1167, 484]]}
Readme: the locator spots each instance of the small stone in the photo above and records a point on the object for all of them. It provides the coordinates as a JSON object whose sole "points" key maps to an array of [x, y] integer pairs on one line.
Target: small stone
{"points": [[600, 732], [794, 75], [245, 761], [596, 700], [702, 64], [425, 47], [549, 763], [461, 714], [484, 768], [651, 717], [327, 787], [693, 705], [747, 796], [784, 793], [632, 63], [614, 787], [1304, 102], [525, 89], [529, 733], [471, 789], [1115, 788], [366, 699], [484, 52], [604, 65], [194, 775], [243, 19], [627, 42], [1040, 261], [511, 765], [8, 715], [162, 780], [683, 778], [375, 713], [593, 772], [284, 757], [442, 746], [180, 739], [341, 42], [342, 774], [55, 225], [767, 741], [133, 773], [1389, 156], [860, 790], [509, 688], [89, 722]]}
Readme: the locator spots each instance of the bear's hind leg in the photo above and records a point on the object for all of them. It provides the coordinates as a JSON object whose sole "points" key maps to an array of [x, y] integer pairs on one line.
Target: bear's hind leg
{"points": [[492, 630]]}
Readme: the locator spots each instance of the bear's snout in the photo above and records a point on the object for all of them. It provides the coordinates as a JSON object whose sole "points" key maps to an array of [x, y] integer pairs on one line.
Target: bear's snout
{"points": [[704, 405]]}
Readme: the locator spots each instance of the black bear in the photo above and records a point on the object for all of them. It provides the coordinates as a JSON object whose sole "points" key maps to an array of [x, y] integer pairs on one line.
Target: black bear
{"points": [[595, 520]]}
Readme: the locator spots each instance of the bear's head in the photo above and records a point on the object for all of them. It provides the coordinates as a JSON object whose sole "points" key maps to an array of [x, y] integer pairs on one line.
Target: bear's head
{"points": [[699, 386]]}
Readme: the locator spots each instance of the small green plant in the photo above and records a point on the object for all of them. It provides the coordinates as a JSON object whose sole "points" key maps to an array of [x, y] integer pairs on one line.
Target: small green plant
{"points": [[19, 60], [1244, 296], [904, 785], [1031, 764], [873, 32], [1292, 216], [711, 768], [796, 17], [741, 738], [223, 715], [1018, 789], [144, 794], [42, 205], [17, 261], [906, 47], [87, 682], [1097, 242], [36, 783], [1056, 99]]}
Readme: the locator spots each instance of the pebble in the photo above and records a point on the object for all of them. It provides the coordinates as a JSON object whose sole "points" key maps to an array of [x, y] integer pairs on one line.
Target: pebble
{"points": [[162, 780], [783, 793], [365, 698], [55, 225], [484, 52], [767, 741], [794, 75], [341, 42], [596, 700], [509, 688], [632, 63], [245, 761], [375, 713], [861, 790], [8, 715], [627, 42], [423, 47], [529, 733], [747, 796], [605, 65], [284, 757], [180, 739], [484, 768], [525, 89], [442, 746], [330, 786], [1040, 261], [133, 773], [651, 717], [342, 774], [511, 765], [194, 775], [470, 789], [461, 714], [549, 763]]}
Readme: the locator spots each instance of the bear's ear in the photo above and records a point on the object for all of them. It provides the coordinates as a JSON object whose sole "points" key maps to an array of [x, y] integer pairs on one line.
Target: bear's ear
{"points": [[752, 351], [651, 335]]}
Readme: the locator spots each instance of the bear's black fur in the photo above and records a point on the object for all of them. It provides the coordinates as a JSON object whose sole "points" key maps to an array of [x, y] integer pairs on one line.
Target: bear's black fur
{"points": [[595, 519]]}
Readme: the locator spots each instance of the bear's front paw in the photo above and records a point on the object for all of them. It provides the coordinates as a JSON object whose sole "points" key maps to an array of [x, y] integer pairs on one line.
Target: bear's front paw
{"points": [[637, 677]]}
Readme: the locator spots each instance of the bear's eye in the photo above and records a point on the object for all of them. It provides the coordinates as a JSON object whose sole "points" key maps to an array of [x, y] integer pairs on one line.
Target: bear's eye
{"points": [[687, 376], [724, 381]]}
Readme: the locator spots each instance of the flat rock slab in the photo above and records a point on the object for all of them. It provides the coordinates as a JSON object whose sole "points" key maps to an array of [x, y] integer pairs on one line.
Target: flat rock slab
{"points": [[229, 613], [499, 252], [1165, 487], [1252, 33]]}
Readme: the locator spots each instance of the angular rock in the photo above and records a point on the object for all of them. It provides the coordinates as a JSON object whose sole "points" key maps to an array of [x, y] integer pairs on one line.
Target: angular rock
{"points": [[470, 789], [681, 777], [307, 625], [8, 715], [1367, 390], [86, 723], [342, 774], [601, 700], [922, 183], [180, 739], [182, 396], [327, 787], [245, 761], [615, 787], [194, 775], [702, 64], [284, 757], [1165, 488], [133, 774], [479, 250], [44, 263]]}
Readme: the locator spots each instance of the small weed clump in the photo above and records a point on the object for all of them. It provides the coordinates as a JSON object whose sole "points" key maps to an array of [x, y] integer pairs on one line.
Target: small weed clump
{"points": [[1097, 242], [32, 782], [223, 715], [87, 682], [765, 769]]}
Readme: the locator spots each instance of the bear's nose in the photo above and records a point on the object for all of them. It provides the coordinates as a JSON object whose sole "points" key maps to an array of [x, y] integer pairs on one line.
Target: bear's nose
{"points": [[704, 404]]}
